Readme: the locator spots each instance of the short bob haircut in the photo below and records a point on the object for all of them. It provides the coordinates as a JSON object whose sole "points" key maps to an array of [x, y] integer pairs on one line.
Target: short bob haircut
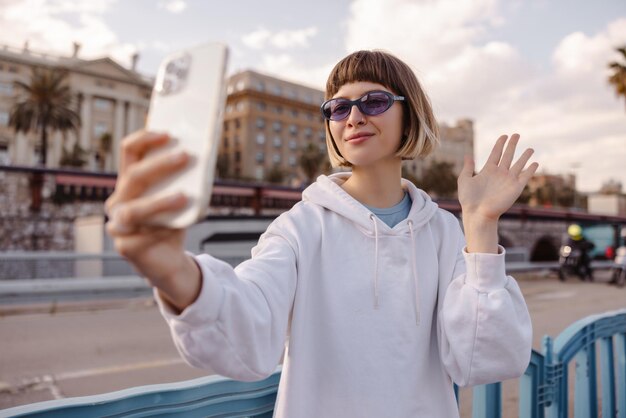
{"points": [[421, 132]]}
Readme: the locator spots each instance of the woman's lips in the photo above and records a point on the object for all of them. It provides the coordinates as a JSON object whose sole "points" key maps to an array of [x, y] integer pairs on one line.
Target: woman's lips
{"points": [[358, 138]]}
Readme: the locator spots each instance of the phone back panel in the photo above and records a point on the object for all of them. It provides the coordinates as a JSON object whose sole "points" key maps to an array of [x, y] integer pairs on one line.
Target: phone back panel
{"points": [[187, 103]]}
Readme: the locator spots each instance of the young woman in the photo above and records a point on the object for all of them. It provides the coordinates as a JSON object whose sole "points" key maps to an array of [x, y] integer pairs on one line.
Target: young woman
{"points": [[374, 295]]}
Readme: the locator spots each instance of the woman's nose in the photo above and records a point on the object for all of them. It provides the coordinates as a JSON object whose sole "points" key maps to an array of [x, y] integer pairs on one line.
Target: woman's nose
{"points": [[356, 117]]}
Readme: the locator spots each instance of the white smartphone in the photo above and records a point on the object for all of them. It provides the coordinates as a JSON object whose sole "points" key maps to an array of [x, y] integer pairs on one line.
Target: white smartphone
{"points": [[188, 104]]}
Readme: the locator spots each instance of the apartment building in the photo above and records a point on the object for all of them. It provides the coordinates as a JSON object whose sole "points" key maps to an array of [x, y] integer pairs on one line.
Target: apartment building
{"points": [[267, 123]]}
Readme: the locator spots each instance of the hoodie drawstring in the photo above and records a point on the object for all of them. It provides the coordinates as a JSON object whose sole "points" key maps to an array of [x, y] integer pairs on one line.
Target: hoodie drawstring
{"points": [[413, 268], [372, 217], [415, 280]]}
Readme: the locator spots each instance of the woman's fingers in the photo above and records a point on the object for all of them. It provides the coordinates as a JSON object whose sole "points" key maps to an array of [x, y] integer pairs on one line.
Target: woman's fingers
{"points": [[496, 151], [527, 174], [129, 217], [521, 162], [509, 153], [135, 146], [130, 245], [468, 168]]}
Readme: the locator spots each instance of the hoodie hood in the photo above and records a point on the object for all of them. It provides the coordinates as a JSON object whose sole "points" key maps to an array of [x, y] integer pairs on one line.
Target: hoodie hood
{"points": [[327, 192]]}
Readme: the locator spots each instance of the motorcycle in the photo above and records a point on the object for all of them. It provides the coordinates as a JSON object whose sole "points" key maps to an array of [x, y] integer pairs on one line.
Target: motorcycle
{"points": [[571, 263], [618, 276]]}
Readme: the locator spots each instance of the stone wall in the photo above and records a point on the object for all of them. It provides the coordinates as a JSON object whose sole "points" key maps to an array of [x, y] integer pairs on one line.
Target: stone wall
{"points": [[49, 229]]}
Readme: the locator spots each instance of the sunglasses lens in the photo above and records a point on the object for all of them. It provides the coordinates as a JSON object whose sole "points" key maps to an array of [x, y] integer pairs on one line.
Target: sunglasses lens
{"points": [[376, 103], [372, 104], [337, 109]]}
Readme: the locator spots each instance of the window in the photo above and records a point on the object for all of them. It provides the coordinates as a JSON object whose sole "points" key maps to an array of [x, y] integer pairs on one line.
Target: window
{"points": [[294, 113], [322, 135], [225, 126], [292, 160], [308, 131], [261, 106], [260, 157], [322, 147], [103, 104], [308, 98], [277, 126], [293, 144], [6, 89], [276, 158], [277, 141], [225, 142], [229, 108], [230, 89], [237, 124], [260, 139], [237, 156], [100, 128], [277, 90], [259, 173], [308, 116], [239, 106], [236, 140], [4, 118], [260, 86], [4, 156], [13, 69], [293, 129], [240, 85], [260, 123]]}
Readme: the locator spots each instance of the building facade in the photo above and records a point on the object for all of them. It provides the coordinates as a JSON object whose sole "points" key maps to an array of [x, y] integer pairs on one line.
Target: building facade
{"points": [[455, 143], [111, 100], [267, 123]]}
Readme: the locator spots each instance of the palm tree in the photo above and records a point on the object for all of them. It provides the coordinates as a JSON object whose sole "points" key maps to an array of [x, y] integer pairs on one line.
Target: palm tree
{"points": [[310, 161], [44, 104], [618, 78]]}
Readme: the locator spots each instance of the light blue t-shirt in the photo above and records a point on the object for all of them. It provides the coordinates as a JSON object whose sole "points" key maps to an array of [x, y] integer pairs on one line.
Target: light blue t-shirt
{"points": [[395, 214]]}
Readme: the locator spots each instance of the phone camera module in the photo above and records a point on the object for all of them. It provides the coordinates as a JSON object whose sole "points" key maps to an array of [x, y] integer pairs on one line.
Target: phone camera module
{"points": [[174, 76]]}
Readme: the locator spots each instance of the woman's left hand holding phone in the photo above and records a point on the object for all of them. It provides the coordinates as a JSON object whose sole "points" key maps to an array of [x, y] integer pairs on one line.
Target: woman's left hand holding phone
{"points": [[156, 252]]}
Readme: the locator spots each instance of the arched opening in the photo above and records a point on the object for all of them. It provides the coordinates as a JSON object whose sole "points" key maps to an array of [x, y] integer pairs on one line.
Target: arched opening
{"points": [[545, 250], [505, 241]]}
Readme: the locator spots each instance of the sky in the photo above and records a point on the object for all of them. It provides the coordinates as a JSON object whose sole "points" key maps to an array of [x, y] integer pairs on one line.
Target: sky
{"points": [[535, 67]]}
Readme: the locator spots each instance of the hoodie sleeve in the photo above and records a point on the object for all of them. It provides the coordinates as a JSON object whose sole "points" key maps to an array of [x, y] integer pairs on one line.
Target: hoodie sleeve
{"points": [[484, 328], [237, 327]]}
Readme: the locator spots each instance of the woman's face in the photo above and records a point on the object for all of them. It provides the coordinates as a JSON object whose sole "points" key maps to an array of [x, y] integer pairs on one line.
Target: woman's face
{"points": [[366, 140]]}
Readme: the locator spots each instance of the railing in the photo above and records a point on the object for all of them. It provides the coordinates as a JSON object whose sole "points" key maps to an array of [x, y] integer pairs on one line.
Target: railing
{"points": [[543, 388]]}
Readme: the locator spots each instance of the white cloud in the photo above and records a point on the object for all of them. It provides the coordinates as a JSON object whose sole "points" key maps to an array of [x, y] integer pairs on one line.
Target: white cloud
{"points": [[285, 66], [262, 38], [257, 39], [173, 6], [44, 25], [566, 112]]}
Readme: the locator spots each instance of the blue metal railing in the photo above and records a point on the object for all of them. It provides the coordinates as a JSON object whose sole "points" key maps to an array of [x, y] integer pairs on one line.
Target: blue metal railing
{"points": [[543, 389]]}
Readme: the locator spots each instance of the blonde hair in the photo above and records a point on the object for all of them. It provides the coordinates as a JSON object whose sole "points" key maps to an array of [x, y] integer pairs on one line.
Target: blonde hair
{"points": [[419, 124]]}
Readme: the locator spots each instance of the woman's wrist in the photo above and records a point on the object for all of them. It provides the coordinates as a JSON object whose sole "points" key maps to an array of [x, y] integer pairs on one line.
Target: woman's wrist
{"points": [[481, 234], [181, 288]]}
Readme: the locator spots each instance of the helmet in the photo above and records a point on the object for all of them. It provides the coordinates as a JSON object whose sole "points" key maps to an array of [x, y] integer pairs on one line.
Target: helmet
{"points": [[575, 232]]}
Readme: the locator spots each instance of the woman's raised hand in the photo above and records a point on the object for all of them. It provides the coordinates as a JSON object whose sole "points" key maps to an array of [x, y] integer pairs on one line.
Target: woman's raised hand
{"points": [[156, 252], [493, 190]]}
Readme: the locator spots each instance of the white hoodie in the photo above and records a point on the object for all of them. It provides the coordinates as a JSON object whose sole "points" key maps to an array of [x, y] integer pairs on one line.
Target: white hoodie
{"points": [[380, 321]]}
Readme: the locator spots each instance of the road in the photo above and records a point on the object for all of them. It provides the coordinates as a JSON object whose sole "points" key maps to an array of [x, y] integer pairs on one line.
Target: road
{"points": [[98, 347]]}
